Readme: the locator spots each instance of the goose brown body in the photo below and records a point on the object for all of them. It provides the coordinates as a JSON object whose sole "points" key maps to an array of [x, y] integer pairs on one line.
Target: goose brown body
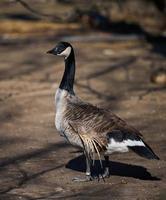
{"points": [[95, 130], [77, 120]]}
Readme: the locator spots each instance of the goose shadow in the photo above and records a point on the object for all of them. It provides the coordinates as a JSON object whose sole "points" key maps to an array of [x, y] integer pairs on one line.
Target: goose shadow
{"points": [[116, 168]]}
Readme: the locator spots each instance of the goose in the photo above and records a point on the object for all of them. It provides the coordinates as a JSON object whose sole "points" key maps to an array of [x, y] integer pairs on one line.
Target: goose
{"points": [[95, 130]]}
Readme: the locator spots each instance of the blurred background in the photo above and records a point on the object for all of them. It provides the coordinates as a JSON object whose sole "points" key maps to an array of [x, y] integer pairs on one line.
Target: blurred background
{"points": [[120, 48]]}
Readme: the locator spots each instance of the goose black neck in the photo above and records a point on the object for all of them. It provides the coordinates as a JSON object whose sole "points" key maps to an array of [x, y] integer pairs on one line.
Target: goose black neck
{"points": [[69, 74]]}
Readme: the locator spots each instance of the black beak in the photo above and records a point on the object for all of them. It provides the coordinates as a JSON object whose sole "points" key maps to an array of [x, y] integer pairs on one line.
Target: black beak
{"points": [[52, 51]]}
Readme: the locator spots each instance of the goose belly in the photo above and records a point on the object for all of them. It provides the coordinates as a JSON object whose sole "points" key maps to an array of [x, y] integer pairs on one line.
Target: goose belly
{"points": [[73, 139], [59, 122], [60, 105], [65, 132]]}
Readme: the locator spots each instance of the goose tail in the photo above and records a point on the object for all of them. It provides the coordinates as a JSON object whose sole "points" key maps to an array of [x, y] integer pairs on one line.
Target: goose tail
{"points": [[123, 141], [144, 151]]}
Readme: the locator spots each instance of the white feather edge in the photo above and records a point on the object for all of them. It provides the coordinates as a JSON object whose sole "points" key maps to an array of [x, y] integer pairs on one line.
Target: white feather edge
{"points": [[114, 146]]}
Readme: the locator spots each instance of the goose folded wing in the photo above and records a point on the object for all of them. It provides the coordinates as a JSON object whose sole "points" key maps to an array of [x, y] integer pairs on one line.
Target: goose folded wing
{"points": [[100, 124]]}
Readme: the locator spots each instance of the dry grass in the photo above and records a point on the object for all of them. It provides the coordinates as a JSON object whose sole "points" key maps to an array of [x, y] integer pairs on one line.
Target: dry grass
{"points": [[23, 28]]}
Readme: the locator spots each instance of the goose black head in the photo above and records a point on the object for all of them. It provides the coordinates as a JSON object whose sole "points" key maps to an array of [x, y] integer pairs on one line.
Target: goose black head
{"points": [[61, 49]]}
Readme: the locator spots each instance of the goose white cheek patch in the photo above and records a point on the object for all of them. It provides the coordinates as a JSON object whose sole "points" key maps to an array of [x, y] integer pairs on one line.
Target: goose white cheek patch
{"points": [[66, 52]]}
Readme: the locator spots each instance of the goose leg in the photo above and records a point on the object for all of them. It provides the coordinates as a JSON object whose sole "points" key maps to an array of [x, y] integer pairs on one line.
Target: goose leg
{"points": [[88, 176], [106, 172]]}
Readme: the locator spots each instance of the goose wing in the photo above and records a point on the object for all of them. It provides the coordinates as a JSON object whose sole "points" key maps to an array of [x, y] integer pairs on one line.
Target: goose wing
{"points": [[98, 124], [102, 131]]}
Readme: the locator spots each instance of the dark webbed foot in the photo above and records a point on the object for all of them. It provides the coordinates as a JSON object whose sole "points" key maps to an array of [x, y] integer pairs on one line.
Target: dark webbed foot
{"points": [[83, 179], [90, 177], [105, 174], [87, 178]]}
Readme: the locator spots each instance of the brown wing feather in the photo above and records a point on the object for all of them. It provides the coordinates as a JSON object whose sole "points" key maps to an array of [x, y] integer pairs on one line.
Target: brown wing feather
{"points": [[93, 124], [89, 118]]}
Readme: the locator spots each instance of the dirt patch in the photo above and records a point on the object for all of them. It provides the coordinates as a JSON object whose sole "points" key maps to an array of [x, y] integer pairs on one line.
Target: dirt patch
{"points": [[35, 162]]}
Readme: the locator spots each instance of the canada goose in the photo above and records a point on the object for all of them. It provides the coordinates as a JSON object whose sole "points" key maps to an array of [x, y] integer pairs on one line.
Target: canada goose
{"points": [[95, 130]]}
